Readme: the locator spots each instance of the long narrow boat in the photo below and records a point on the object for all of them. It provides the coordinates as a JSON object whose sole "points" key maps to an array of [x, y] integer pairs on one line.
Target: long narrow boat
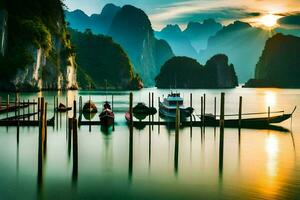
{"points": [[256, 122]]}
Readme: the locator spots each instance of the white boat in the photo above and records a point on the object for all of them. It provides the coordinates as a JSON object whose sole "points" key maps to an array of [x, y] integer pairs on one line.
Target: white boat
{"points": [[167, 108]]}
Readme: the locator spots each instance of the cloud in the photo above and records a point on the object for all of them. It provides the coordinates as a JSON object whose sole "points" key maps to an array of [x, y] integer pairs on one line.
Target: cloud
{"points": [[292, 20]]}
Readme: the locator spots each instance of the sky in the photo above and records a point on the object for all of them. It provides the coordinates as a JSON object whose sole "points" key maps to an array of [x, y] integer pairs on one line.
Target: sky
{"points": [[163, 12]]}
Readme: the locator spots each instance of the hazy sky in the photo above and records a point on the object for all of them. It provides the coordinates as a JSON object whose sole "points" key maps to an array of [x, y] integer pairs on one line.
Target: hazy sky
{"points": [[162, 12]]}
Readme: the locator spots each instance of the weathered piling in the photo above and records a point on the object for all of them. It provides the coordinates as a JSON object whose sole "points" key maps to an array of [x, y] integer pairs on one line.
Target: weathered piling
{"points": [[204, 109], [80, 104], [70, 135], [28, 110], [191, 105], [201, 111], [158, 115], [7, 105], [75, 152], [240, 111], [45, 127], [269, 114], [23, 110], [41, 140], [33, 108], [74, 109], [176, 139], [130, 108], [221, 145], [149, 99]]}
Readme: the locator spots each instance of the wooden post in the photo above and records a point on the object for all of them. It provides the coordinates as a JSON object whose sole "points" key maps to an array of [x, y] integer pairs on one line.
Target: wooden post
{"points": [[221, 145], [215, 107], [23, 110], [112, 102], [38, 108], [130, 108], [80, 104], [269, 114], [28, 110], [70, 135], [56, 102], [45, 128], [74, 109], [7, 106], [33, 109], [158, 116], [176, 139], [240, 111], [54, 106], [75, 152], [204, 109], [149, 99], [201, 111]]}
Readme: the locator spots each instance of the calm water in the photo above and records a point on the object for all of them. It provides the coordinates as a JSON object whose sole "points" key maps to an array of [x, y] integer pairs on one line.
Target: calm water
{"points": [[264, 165]]}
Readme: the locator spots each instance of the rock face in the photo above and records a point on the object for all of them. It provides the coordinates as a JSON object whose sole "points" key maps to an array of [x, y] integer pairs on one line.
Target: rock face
{"points": [[179, 42], [199, 33], [107, 63], [279, 65], [184, 72], [132, 29], [98, 23], [39, 54], [3, 31], [243, 45]]}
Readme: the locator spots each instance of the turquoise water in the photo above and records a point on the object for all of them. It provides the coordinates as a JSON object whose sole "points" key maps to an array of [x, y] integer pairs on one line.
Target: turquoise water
{"points": [[261, 164]]}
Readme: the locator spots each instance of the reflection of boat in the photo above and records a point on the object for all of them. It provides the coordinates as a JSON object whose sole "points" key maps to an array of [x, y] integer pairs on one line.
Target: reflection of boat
{"points": [[167, 108], [89, 107], [141, 108], [107, 117], [63, 108], [257, 122]]}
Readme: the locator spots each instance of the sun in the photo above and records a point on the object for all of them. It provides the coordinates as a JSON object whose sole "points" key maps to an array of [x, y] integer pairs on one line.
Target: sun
{"points": [[269, 20]]}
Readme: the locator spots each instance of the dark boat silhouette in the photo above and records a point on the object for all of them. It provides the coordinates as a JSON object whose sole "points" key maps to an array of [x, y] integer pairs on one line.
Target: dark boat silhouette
{"points": [[107, 117], [89, 107], [256, 122], [63, 108]]}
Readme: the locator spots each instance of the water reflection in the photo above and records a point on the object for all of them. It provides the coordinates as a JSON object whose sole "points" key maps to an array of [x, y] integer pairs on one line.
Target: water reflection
{"points": [[270, 99], [272, 155]]}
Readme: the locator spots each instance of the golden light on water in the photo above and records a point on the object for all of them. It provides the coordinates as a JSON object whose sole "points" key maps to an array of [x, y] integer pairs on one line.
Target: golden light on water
{"points": [[272, 154]]}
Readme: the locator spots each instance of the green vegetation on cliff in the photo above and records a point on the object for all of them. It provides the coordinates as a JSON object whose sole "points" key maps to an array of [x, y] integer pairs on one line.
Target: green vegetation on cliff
{"points": [[36, 24], [99, 60], [185, 72], [279, 65]]}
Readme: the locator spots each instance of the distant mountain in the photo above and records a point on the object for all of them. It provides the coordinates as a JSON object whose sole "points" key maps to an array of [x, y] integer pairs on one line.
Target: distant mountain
{"points": [[179, 42], [216, 73], [98, 23], [279, 65], [242, 43], [199, 33], [106, 62], [132, 29]]}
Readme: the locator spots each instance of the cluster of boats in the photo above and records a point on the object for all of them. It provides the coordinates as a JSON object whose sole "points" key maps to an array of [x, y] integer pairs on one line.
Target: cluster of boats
{"points": [[167, 109]]}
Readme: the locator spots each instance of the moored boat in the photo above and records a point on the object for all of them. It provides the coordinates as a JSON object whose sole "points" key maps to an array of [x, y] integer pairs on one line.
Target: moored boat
{"points": [[141, 108], [89, 107], [63, 108], [168, 107], [107, 117]]}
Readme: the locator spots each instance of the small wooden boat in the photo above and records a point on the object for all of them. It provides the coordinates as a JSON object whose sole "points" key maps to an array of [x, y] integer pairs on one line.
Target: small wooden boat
{"points": [[89, 107], [107, 117], [256, 122], [63, 108], [168, 107], [141, 108]]}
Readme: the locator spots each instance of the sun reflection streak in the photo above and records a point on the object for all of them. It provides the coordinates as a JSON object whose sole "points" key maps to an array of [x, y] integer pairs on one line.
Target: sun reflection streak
{"points": [[272, 156]]}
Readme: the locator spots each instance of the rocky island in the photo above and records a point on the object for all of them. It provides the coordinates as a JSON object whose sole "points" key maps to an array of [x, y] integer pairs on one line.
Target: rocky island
{"points": [[185, 72], [279, 65]]}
